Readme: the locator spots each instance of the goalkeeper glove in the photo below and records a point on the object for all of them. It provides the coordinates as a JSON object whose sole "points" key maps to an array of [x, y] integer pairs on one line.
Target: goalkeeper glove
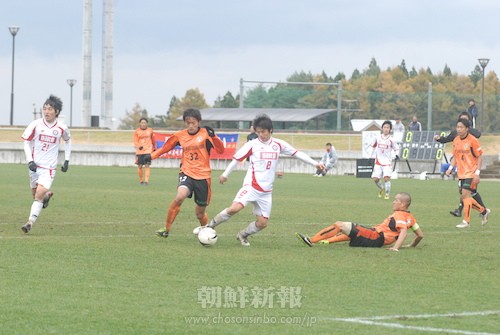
{"points": [[210, 131], [65, 166], [324, 242], [32, 166]]}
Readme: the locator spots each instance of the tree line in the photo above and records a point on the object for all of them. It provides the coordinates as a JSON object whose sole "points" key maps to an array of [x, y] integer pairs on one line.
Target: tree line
{"points": [[372, 93]]}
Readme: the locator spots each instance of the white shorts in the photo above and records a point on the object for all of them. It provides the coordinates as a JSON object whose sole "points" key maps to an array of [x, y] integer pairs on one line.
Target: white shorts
{"points": [[262, 201], [44, 177], [380, 171]]}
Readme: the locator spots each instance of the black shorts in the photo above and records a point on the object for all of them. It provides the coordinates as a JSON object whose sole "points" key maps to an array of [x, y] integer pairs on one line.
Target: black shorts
{"points": [[140, 160], [365, 237], [201, 189], [467, 184]]}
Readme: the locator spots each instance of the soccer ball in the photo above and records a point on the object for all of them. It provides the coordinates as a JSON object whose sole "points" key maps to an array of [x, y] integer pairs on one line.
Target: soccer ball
{"points": [[207, 237]]}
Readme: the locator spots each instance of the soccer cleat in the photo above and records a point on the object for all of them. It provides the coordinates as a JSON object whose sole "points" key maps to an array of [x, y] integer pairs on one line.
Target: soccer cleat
{"points": [[456, 212], [485, 217], [324, 242], [386, 197], [243, 240], [380, 193], [27, 227], [464, 224], [197, 230], [46, 199], [304, 239], [162, 233]]}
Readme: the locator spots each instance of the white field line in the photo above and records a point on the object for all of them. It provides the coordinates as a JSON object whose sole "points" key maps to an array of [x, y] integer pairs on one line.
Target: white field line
{"points": [[373, 321]]}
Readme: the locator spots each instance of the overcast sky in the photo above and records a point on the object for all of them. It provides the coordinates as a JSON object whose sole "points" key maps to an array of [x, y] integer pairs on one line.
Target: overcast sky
{"points": [[164, 47]]}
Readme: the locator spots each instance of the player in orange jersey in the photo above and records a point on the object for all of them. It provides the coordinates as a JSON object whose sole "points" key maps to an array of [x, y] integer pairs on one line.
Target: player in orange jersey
{"points": [[194, 177], [467, 157], [392, 230], [144, 143]]}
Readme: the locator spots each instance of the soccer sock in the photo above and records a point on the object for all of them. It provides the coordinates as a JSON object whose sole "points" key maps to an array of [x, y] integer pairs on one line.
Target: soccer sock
{"points": [[147, 173], [339, 238], [173, 210], [478, 198], [36, 208], [139, 172], [388, 187], [379, 185], [477, 206], [326, 233], [223, 216], [461, 206], [250, 229], [467, 207]]}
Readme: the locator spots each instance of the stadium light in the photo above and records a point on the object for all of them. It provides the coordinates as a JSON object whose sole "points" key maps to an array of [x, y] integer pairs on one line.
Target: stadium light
{"points": [[13, 31], [483, 62], [71, 83]]}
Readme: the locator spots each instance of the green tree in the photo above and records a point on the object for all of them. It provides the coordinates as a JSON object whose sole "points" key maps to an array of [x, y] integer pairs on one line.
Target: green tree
{"points": [[446, 71], [373, 69], [228, 101], [192, 99], [403, 68], [476, 75], [132, 117]]}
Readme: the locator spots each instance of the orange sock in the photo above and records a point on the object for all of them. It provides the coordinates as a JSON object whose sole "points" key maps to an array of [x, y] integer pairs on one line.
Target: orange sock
{"points": [[326, 233], [467, 207], [147, 172], [139, 172], [173, 210], [339, 238]]}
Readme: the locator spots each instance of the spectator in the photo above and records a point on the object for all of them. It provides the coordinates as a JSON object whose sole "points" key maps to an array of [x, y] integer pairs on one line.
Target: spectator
{"points": [[415, 125]]}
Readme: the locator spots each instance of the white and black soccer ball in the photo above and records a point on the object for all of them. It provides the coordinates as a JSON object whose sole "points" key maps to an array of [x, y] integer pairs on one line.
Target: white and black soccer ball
{"points": [[207, 236]]}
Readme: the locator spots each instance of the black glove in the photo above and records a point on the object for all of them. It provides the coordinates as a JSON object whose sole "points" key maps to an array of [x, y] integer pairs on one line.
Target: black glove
{"points": [[65, 166], [210, 131], [397, 157], [32, 166], [141, 147], [147, 158]]}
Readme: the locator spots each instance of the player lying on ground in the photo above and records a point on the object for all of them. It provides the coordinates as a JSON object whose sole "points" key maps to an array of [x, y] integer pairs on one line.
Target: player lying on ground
{"points": [[392, 230]]}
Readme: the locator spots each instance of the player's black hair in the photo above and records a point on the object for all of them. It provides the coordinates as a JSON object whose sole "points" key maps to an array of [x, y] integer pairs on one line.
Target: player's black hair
{"points": [[191, 112], [263, 121], [143, 118], [465, 122], [474, 101], [328, 144], [466, 114], [55, 103], [387, 122]]}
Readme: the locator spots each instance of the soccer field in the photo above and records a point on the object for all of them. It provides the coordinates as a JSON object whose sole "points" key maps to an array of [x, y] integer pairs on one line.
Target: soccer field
{"points": [[92, 264]]}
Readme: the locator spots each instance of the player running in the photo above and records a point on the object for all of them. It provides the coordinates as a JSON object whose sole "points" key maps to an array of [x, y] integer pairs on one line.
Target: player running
{"points": [[194, 177], [41, 148], [383, 147], [257, 186], [467, 157]]}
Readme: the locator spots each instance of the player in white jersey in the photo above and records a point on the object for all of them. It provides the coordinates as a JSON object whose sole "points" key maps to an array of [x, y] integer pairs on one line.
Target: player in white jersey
{"points": [[41, 147], [257, 186], [383, 146]]}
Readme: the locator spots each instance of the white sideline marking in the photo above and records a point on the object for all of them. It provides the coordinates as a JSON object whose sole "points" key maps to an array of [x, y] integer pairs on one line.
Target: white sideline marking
{"points": [[373, 322]]}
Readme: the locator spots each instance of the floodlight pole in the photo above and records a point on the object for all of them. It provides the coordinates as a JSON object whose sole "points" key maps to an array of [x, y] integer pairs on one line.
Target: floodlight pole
{"points": [[13, 31], [339, 93], [483, 62], [71, 83]]}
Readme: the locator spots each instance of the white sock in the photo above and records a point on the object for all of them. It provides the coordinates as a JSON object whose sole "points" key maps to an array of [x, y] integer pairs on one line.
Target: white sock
{"points": [[387, 187], [36, 208], [250, 229], [223, 216]]}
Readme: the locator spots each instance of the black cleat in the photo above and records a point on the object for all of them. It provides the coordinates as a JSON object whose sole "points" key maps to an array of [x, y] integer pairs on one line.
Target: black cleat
{"points": [[304, 239], [46, 199], [456, 212]]}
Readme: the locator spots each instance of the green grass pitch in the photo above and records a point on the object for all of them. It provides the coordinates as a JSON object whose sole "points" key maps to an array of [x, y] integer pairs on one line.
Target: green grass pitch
{"points": [[92, 264]]}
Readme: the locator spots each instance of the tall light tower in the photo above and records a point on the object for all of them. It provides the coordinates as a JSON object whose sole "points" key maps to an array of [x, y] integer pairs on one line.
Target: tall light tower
{"points": [[483, 62], [13, 31], [71, 83]]}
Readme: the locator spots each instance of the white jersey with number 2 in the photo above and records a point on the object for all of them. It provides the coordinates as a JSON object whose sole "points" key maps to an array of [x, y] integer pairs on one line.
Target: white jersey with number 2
{"points": [[44, 142], [263, 161]]}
